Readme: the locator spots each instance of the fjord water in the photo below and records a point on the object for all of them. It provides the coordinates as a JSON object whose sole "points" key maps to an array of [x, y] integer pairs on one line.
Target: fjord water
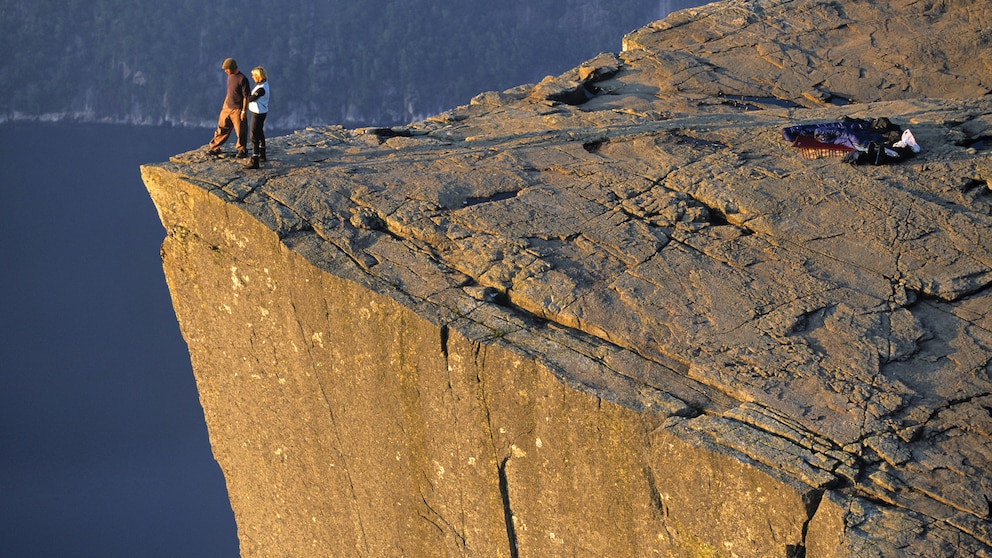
{"points": [[103, 447]]}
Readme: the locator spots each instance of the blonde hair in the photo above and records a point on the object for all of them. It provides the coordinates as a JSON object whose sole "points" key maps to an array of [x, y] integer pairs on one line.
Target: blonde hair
{"points": [[261, 72]]}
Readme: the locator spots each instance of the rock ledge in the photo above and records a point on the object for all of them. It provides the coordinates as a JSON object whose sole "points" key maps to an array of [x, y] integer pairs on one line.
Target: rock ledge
{"points": [[614, 312]]}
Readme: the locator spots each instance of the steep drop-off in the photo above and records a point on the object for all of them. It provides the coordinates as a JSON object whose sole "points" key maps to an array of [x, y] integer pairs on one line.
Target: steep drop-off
{"points": [[614, 312]]}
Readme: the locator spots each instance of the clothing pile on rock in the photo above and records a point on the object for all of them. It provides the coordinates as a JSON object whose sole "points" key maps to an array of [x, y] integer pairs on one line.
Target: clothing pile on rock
{"points": [[862, 141]]}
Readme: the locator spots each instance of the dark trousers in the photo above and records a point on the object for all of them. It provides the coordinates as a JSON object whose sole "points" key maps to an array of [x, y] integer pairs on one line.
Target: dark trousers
{"points": [[230, 120], [257, 133]]}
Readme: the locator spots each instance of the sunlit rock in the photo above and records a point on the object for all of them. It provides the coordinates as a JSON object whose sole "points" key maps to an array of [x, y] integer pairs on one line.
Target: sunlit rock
{"points": [[614, 312]]}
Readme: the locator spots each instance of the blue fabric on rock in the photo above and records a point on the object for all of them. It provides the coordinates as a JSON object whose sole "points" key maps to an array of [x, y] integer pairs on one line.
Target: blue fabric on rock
{"points": [[852, 132]]}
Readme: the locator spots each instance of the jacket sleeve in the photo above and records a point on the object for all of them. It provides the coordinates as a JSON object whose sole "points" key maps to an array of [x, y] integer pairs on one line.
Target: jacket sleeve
{"points": [[256, 95]]}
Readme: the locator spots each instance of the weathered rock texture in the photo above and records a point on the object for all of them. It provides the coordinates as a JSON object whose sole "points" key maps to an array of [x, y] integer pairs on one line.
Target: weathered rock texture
{"points": [[614, 313]]}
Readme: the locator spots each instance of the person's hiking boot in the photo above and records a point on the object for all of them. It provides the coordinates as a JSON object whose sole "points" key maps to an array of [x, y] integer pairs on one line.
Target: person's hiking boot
{"points": [[242, 154], [261, 154], [253, 164], [213, 151]]}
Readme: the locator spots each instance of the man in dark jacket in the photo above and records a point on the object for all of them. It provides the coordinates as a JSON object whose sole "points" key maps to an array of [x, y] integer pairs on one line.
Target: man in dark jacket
{"points": [[232, 116]]}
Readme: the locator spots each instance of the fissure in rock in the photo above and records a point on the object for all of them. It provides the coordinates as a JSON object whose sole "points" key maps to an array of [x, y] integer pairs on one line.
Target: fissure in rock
{"points": [[504, 492]]}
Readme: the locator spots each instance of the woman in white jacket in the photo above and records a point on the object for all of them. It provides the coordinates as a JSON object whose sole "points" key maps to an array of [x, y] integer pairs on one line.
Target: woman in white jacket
{"points": [[258, 106]]}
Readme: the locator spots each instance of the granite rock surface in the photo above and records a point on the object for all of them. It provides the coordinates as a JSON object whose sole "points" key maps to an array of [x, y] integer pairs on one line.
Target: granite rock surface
{"points": [[614, 311]]}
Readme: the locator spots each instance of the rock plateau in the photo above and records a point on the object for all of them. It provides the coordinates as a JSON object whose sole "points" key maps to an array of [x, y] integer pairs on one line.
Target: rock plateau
{"points": [[614, 313]]}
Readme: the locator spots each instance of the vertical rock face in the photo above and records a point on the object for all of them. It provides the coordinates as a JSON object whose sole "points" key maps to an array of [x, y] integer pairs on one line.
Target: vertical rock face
{"points": [[613, 313], [349, 423]]}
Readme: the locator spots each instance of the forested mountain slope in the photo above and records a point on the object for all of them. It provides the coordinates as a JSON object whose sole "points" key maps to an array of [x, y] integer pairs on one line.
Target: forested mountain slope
{"points": [[383, 62]]}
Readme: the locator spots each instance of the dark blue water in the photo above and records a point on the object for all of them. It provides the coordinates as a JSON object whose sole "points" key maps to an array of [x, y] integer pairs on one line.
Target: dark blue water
{"points": [[103, 448]]}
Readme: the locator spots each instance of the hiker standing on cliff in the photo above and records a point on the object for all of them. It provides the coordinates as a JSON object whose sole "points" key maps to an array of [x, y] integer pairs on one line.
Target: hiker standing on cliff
{"points": [[232, 115], [258, 105]]}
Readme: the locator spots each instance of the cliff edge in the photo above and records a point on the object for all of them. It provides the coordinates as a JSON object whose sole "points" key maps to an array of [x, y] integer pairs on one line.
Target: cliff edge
{"points": [[615, 312]]}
